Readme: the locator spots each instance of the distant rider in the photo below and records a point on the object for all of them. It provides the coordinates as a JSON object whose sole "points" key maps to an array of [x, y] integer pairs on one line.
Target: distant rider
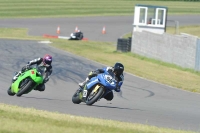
{"points": [[40, 62], [118, 72], [79, 35]]}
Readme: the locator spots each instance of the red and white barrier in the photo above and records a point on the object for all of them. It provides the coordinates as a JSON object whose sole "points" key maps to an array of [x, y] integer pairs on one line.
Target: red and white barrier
{"points": [[60, 37], [50, 36]]}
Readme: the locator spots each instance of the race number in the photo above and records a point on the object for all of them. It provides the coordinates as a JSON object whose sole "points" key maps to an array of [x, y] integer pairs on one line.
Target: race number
{"points": [[84, 93]]}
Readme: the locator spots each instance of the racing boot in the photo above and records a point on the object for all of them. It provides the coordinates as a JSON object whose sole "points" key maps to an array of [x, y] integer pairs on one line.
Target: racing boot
{"points": [[40, 87], [82, 85]]}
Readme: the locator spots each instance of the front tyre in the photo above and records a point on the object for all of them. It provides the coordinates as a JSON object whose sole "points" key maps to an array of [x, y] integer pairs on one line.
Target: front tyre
{"points": [[75, 97], [94, 96], [25, 88], [9, 92]]}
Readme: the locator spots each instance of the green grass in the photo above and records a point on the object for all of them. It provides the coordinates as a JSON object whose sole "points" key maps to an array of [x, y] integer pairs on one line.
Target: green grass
{"points": [[14, 119], [192, 30], [71, 8]]}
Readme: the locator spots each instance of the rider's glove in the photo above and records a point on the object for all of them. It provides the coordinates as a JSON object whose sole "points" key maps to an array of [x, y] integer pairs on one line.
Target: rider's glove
{"points": [[25, 68], [95, 73]]}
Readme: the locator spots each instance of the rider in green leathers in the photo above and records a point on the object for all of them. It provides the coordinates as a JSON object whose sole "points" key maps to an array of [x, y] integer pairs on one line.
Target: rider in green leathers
{"points": [[40, 62]]}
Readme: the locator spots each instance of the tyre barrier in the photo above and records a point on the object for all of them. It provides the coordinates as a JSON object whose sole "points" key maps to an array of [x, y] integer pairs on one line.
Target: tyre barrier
{"points": [[124, 44]]}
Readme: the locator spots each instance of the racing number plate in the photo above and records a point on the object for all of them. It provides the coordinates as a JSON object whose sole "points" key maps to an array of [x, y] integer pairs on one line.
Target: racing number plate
{"points": [[84, 93]]}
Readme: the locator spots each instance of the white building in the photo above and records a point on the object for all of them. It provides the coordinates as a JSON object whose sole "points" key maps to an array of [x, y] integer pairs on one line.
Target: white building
{"points": [[150, 18]]}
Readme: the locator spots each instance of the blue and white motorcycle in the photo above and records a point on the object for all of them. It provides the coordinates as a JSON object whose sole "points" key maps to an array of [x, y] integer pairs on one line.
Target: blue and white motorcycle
{"points": [[95, 89]]}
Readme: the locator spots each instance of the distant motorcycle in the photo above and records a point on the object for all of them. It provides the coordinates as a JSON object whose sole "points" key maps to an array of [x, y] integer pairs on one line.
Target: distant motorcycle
{"points": [[76, 36], [95, 89]]}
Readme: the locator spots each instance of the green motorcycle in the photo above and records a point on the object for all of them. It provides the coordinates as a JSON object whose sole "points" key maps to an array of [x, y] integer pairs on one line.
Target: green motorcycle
{"points": [[27, 81]]}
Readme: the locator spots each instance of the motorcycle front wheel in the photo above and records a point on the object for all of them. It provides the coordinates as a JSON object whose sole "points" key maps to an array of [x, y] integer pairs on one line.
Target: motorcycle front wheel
{"points": [[27, 84], [75, 97], [94, 96], [10, 92]]}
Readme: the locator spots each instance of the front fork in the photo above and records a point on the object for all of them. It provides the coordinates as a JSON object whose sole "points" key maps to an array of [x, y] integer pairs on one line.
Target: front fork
{"points": [[85, 93]]}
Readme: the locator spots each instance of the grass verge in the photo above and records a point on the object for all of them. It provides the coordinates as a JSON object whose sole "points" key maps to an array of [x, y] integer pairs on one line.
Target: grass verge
{"points": [[192, 30], [14, 119]]}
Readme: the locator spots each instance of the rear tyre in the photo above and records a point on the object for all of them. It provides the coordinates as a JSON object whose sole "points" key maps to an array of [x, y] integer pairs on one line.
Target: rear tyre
{"points": [[93, 97], [9, 92], [25, 88], [75, 97]]}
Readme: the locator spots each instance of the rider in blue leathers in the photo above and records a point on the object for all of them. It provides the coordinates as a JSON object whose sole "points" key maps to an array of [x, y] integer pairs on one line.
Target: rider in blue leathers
{"points": [[117, 70]]}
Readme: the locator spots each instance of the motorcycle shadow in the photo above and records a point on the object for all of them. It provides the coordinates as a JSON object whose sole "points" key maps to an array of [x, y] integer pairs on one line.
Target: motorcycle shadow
{"points": [[44, 98], [100, 106]]}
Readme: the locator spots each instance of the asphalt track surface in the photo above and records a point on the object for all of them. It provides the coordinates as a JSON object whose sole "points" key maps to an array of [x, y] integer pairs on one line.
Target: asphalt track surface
{"points": [[141, 101]]}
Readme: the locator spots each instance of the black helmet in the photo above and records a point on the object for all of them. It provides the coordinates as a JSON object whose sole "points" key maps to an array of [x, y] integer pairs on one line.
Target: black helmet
{"points": [[118, 68]]}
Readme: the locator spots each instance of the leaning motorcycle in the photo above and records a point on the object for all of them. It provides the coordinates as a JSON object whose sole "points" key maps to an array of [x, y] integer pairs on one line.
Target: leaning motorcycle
{"points": [[27, 81], [76, 36], [95, 89]]}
